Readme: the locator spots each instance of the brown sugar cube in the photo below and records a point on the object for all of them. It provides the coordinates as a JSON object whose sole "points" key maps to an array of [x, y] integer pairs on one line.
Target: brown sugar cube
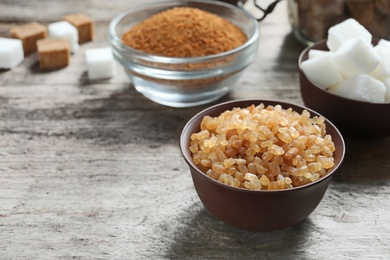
{"points": [[53, 53], [29, 34], [84, 25]]}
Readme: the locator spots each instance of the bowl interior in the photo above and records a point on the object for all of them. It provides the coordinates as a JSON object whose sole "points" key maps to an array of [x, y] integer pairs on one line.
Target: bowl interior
{"points": [[354, 118]]}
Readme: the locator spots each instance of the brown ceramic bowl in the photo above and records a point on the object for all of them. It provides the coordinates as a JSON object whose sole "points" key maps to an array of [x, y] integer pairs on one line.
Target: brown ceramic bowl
{"points": [[257, 210], [353, 118]]}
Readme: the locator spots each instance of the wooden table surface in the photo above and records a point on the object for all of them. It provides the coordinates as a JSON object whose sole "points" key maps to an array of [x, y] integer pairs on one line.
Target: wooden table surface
{"points": [[93, 170]]}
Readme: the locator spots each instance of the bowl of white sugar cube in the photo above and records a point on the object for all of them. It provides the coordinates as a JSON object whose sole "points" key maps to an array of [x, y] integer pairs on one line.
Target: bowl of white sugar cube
{"points": [[346, 78]]}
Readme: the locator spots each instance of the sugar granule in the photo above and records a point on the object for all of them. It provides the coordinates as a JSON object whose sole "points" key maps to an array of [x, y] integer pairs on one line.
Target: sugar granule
{"points": [[263, 148], [184, 32]]}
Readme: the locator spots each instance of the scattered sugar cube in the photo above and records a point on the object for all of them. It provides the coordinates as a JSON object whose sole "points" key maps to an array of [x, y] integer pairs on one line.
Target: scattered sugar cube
{"points": [[315, 53], [356, 56], [322, 70], [29, 34], [382, 71], [84, 25], [100, 63], [387, 85], [65, 30], [361, 87], [53, 53], [345, 31], [11, 53]]}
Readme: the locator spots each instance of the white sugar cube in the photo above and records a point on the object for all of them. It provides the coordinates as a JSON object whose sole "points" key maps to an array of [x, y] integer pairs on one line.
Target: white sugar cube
{"points": [[382, 51], [345, 31], [356, 56], [387, 85], [384, 43], [11, 53], [322, 70], [382, 71], [100, 63], [361, 87], [316, 53], [65, 30]]}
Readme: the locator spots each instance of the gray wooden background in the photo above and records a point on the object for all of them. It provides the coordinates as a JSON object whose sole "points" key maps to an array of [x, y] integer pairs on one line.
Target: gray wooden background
{"points": [[92, 170]]}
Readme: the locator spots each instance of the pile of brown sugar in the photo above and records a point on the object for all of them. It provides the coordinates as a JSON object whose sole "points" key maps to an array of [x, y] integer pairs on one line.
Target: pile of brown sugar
{"points": [[263, 147], [184, 32]]}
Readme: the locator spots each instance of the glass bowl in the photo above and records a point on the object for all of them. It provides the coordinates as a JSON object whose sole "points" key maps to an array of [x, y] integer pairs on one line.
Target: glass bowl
{"points": [[184, 82]]}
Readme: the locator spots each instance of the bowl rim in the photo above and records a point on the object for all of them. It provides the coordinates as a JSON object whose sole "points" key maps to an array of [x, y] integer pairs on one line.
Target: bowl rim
{"points": [[232, 103], [116, 41], [314, 46]]}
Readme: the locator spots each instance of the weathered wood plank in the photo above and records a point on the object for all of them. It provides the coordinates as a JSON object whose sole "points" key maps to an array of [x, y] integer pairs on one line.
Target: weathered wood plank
{"points": [[92, 170]]}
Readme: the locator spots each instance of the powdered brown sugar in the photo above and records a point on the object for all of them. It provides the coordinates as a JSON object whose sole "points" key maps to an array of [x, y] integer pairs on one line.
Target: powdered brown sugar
{"points": [[184, 32]]}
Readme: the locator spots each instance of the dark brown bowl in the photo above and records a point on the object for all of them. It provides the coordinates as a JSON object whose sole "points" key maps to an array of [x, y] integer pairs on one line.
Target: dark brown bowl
{"points": [[257, 210], [353, 118]]}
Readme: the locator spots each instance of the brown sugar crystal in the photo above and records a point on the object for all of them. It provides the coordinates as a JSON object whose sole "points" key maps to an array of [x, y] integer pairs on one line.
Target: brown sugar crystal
{"points": [[263, 148], [184, 32], [29, 34], [53, 53], [84, 25]]}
